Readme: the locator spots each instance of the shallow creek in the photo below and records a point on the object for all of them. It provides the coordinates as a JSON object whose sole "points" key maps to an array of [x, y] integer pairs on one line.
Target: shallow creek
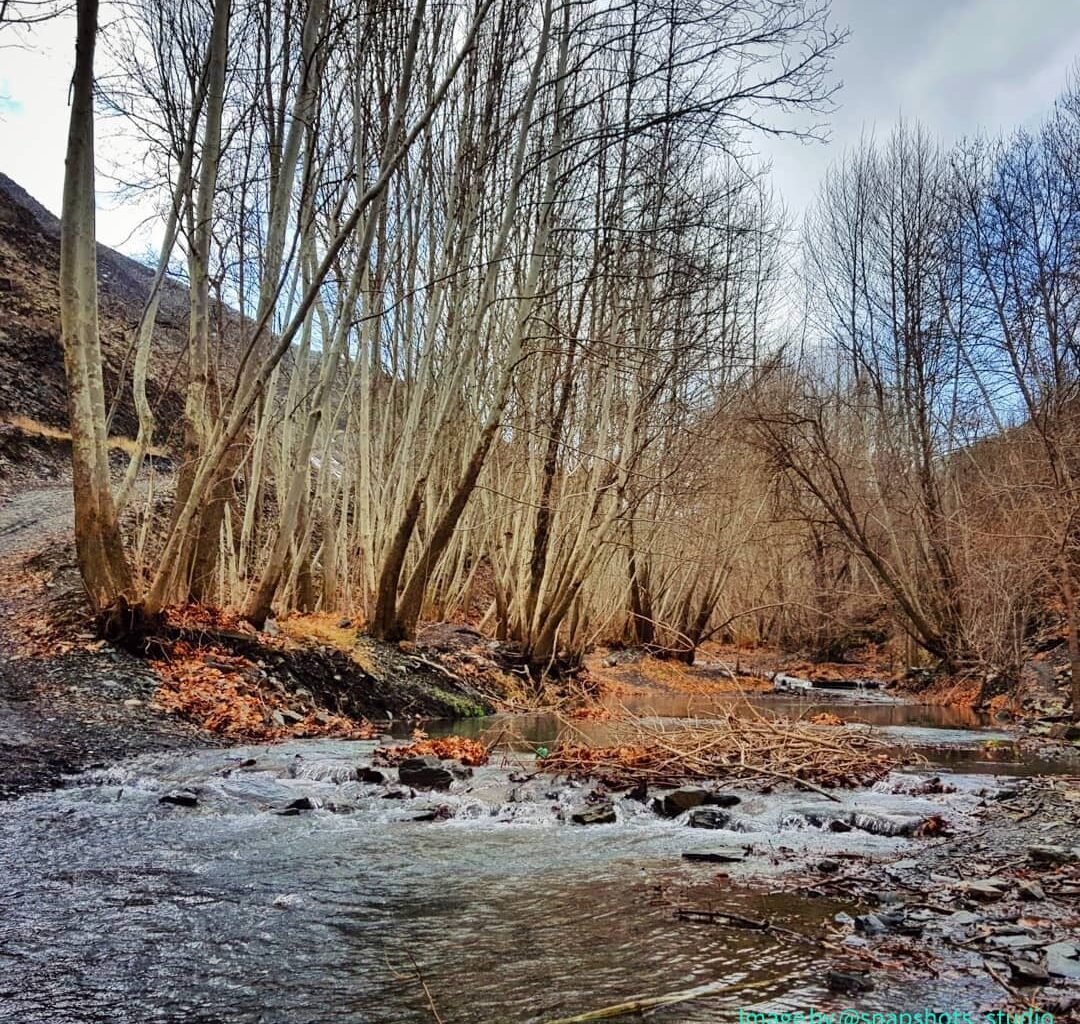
{"points": [[118, 908]]}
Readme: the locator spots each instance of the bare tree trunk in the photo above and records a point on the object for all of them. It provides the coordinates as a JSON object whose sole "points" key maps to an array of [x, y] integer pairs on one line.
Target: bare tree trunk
{"points": [[102, 560], [1072, 625], [202, 545]]}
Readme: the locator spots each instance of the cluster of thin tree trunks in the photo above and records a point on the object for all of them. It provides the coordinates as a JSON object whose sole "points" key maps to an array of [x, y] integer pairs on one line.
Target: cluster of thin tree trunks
{"points": [[493, 316]]}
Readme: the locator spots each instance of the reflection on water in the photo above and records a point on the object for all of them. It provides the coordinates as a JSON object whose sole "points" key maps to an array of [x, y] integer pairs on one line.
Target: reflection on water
{"points": [[545, 728], [118, 908], [954, 739]]}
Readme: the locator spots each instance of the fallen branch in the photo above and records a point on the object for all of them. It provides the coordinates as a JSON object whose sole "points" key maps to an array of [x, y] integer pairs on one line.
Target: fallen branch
{"points": [[730, 746], [639, 1003]]}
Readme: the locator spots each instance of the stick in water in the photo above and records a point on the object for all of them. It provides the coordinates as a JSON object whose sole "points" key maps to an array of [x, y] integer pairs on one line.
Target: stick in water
{"points": [[648, 1002]]}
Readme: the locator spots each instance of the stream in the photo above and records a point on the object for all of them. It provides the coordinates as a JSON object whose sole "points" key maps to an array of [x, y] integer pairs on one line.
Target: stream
{"points": [[116, 907]]}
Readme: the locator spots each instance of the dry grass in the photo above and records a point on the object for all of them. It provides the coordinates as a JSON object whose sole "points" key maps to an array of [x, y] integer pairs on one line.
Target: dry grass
{"points": [[647, 673], [324, 628], [38, 429]]}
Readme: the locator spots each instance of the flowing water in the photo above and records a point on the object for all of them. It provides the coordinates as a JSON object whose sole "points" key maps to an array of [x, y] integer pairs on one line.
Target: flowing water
{"points": [[118, 908]]}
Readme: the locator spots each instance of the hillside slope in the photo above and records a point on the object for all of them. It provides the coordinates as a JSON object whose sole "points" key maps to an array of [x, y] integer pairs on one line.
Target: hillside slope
{"points": [[32, 382]]}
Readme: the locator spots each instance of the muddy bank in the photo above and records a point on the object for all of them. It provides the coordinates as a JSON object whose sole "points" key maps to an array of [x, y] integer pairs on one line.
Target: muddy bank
{"points": [[69, 701], [78, 711]]}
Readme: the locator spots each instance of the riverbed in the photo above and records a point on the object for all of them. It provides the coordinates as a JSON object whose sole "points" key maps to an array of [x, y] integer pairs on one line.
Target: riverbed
{"points": [[117, 907]]}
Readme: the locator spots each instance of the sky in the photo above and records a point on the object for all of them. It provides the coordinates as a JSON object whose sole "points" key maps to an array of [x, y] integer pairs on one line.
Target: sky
{"points": [[959, 66]]}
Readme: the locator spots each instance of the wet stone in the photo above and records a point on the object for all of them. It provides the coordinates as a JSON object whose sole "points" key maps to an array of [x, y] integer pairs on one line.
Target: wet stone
{"points": [[672, 804], [440, 813], [425, 773], [723, 799], [599, 814], [304, 803], [848, 982], [887, 824], [715, 856], [179, 798], [717, 817], [372, 776]]}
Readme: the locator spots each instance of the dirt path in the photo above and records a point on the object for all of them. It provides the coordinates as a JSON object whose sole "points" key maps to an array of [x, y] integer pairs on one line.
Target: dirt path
{"points": [[66, 702], [29, 521]]}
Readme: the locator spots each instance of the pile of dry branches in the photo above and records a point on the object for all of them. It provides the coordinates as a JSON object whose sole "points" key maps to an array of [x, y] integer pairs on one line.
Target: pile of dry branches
{"points": [[731, 747], [458, 748]]}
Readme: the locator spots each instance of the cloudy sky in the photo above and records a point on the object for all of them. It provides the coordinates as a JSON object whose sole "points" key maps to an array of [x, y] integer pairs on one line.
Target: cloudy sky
{"points": [[958, 65]]}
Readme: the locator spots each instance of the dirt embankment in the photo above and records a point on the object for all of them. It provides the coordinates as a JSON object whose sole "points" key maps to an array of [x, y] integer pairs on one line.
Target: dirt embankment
{"points": [[69, 701]]}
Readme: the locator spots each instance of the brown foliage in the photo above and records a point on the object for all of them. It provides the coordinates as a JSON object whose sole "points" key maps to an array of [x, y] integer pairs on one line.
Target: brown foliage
{"points": [[221, 693], [447, 748]]}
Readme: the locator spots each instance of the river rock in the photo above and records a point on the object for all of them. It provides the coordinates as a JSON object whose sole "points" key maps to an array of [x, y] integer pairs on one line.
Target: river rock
{"points": [[985, 889], [372, 776], [179, 798], [1012, 942], [870, 924], [298, 806], [715, 856], [717, 817], [1062, 960], [1025, 972], [818, 815], [723, 799], [1051, 855], [879, 824], [672, 804], [596, 814], [963, 918], [305, 803], [848, 982], [1030, 890], [441, 813], [425, 773]]}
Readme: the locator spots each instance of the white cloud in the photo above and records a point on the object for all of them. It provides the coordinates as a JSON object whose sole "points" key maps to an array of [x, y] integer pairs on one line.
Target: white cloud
{"points": [[34, 84], [959, 66]]}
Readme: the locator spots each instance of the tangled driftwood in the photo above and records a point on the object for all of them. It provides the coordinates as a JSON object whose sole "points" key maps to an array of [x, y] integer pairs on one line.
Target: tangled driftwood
{"points": [[732, 746]]}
